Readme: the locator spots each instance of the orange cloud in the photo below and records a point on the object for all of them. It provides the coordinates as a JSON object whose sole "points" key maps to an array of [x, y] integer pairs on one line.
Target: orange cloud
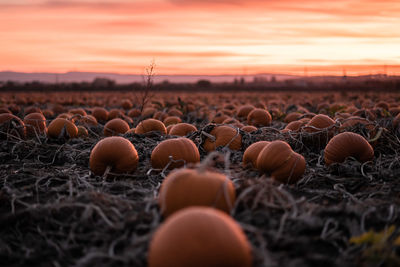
{"points": [[199, 36]]}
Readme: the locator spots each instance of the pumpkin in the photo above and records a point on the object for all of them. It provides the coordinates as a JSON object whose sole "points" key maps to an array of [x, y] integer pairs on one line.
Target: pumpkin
{"points": [[223, 135], [233, 122], [250, 155], [148, 112], [182, 129], [133, 113], [150, 125], [62, 126], [244, 111], [198, 237], [126, 104], [78, 111], [318, 123], [114, 113], [82, 131], [11, 125], [30, 110], [259, 117], [35, 124], [345, 145], [182, 150], [292, 116], [249, 128], [160, 115], [175, 112], [4, 110], [101, 114], [116, 153], [172, 120], [88, 120], [187, 187], [115, 127], [48, 113], [284, 165], [293, 126], [354, 120], [219, 118]]}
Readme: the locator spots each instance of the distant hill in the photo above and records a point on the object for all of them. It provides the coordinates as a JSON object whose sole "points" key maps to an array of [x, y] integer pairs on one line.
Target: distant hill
{"points": [[129, 78]]}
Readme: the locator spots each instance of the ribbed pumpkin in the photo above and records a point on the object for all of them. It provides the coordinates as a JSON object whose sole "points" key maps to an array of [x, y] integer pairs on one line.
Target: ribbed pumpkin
{"points": [[259, 117], [35, 124], [223, 136], [250, 155], [354, 120], [292, 116], [284, 165], [182, 129], [101, 114], [11, 125], [192, 187], [126, 104], [115, 113], [244, 111], [293, 126], [172, 120], [345, 145], [114, 152], [60, 126], [115, 127], [133, 113], [82, 132], [88, 120], [249, 128], [182, 150], [319, 122], [150, 125], [199, 237], [78, 111]]}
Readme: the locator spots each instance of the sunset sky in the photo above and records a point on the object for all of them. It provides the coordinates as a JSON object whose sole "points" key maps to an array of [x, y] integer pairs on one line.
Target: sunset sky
{"points": [[201, 36]]}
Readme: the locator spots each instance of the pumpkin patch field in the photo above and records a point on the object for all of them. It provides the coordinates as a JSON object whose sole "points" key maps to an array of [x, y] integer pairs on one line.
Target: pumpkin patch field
{"points": [[200, 179]]}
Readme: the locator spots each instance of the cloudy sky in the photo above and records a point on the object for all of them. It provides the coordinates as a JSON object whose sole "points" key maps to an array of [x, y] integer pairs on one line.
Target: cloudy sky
{"points": [[201, 36]]}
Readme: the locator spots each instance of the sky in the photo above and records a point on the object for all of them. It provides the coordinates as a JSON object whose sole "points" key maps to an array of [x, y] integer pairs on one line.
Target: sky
{"points": [[311, 37]]}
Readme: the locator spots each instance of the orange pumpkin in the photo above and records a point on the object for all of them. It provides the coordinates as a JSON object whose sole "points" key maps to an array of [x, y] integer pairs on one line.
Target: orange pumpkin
{"points": [[150, 125], [35, 124], [259, 117], [182, 129], [284, 165], [318, 123], [11, 126], [172, 120], [198, 237], [187, 187], [101, 114], [249, 128], [251, 153], [115, 127], [116, 153], [60, 126], [244, 111], [181, 150], [82, 132], [223, 135], [345, 145]]}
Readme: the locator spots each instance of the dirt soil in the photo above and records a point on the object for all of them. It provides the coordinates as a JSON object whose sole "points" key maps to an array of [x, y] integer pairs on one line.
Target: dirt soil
{"points": [[54, 212]]}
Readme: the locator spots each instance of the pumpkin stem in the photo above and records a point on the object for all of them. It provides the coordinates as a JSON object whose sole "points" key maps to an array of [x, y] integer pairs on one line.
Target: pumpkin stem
{"points": [[377, 136]]}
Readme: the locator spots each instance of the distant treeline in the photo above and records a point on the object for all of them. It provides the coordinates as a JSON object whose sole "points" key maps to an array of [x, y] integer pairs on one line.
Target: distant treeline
{"points": [[389, 85]]}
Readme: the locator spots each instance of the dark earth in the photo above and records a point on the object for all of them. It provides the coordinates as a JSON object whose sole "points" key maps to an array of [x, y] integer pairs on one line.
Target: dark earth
{"points": [[54, 212]]}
